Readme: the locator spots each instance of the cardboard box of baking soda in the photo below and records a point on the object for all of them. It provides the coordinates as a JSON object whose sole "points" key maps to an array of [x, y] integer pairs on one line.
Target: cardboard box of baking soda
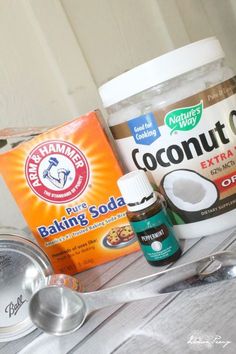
{"points": [[65, 184]]}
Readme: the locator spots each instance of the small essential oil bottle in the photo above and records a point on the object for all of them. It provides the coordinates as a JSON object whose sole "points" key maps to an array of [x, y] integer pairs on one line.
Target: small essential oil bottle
{"points": [[149, 219]]}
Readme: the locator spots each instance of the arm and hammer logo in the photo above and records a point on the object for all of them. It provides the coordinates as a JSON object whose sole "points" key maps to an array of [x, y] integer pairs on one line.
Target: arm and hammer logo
{"points": [[57, 171]]}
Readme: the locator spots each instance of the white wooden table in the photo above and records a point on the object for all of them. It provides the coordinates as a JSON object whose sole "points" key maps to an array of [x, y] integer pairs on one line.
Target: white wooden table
{"points": [[201, 320]]}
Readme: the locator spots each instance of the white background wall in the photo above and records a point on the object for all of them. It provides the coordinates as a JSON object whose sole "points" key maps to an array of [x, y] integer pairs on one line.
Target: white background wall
{"points": [[55, 53]]}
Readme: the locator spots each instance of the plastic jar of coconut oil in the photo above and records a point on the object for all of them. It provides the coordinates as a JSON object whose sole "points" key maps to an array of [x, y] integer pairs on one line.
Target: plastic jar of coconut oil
{"points": [[175, 118]]}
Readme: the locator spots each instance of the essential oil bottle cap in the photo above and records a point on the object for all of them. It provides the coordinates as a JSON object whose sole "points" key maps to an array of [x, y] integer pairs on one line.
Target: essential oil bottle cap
{"points": [[136, 190]]}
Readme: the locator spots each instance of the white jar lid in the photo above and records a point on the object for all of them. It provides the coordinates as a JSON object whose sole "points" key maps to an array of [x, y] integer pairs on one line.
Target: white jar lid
{"points": [[158, 70]]}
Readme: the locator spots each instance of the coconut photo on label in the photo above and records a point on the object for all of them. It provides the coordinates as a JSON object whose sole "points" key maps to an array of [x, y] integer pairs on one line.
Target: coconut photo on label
{"points": [[189, 192], [232, 121]]}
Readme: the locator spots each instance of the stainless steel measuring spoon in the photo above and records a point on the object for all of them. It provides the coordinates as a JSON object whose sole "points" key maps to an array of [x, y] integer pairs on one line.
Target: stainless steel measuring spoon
{"points": [[59, 310]]}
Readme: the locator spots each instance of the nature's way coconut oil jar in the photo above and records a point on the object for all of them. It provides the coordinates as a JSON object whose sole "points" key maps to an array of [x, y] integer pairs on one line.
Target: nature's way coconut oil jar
{"points": [[175, 117]]}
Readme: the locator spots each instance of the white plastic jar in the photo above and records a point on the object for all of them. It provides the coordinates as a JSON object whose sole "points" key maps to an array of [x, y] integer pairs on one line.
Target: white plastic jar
{"points": [[175, 117]]}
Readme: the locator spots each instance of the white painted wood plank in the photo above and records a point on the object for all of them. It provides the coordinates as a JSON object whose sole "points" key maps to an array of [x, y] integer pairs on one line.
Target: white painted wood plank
{"points": [[130, 317], [29, 94], [117, 35], [205, 18], [64, 54], [172, 16], [107, 276], [221, 16], [100, 276], [195, 19], [109, 320], [50, 59], [207, 313]]}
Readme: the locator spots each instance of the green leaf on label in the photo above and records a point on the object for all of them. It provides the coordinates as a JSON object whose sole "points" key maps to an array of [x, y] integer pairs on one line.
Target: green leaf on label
{"points": [[185, 118]]}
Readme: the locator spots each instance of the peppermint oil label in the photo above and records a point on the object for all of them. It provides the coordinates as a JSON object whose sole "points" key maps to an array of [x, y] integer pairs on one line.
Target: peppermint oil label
{"points": [[155, 237]]}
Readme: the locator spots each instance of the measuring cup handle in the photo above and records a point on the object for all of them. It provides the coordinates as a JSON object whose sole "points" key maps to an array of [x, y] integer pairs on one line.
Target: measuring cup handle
{"points": [[65, 281], [207, 270]]}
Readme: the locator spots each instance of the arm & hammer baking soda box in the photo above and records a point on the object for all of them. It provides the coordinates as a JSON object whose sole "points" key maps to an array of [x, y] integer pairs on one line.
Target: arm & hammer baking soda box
{"points": [[65, 184]]}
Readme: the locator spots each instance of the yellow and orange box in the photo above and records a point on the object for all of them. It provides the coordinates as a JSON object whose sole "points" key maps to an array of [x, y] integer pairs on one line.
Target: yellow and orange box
{"points": [[65, 184]]}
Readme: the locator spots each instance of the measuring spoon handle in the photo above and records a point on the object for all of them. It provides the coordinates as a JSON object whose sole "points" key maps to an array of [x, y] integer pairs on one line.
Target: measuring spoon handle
{"points": [[63, 280], [213, 268]]}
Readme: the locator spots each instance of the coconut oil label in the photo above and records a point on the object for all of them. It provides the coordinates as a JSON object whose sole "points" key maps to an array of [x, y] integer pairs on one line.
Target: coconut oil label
{"points": [[192, 159]]}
